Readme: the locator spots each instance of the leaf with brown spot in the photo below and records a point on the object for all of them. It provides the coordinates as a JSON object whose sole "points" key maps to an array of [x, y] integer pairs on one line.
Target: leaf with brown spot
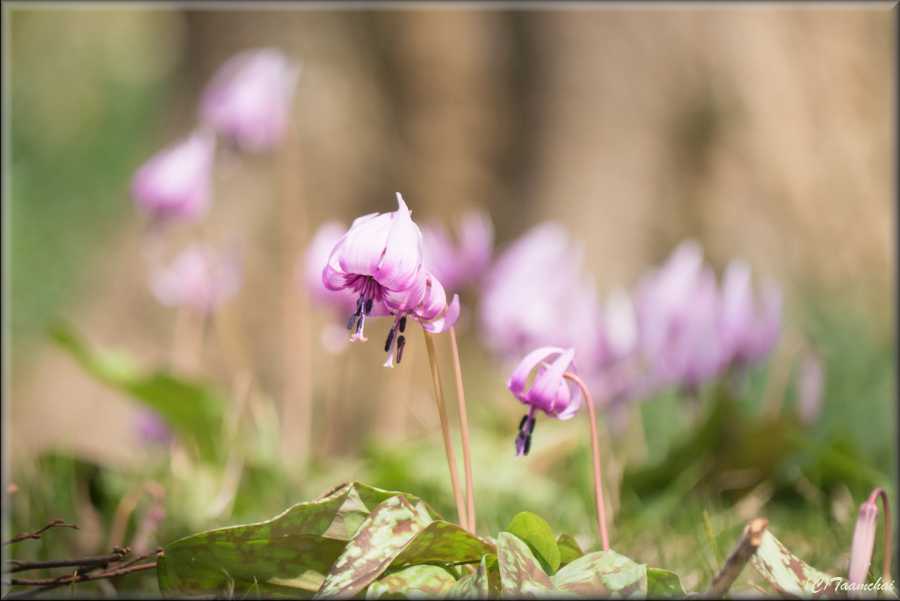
{"points": [[413, 582], [520, 571], [604, 573], [789, 574]]}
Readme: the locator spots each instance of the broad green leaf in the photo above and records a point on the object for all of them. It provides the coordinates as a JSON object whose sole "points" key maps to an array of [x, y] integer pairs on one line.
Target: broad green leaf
{"points": [[539, 537], [380, 539], [569, 550], [286, 555], [789, 574], [663, 583], [603, 573], [521, 574], [192, 409], [483, 584], [443, 543], [414, 582]]}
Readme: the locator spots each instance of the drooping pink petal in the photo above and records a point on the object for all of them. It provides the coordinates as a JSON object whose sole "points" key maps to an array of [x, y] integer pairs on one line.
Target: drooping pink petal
{"points": [[363, 245], [519, 378], [445, 321], [547, 382], [402, 258]]}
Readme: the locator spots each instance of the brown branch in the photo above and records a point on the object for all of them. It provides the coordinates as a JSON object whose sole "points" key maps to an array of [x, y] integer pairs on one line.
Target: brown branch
{"points": [[14, 565], [735, 563], [37, 533]]}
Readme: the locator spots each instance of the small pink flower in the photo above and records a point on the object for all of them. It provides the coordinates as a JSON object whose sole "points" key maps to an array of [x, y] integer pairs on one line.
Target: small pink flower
{"points": [[175, 183], [380, 255], [863, 541], [249, 98], [198, 279], [550, 391], [749, 330], [457, 265]]}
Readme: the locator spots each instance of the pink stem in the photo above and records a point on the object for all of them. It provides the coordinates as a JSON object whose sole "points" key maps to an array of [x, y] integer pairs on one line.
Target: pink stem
{"points": [[464, 431], [888, 534], [595, 449]]}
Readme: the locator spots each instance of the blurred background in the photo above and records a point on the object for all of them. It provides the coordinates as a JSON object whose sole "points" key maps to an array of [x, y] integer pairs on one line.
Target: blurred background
{"points": [[763, 133]]}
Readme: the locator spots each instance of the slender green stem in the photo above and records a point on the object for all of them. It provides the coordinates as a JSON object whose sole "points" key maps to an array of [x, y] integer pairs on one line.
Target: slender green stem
{"points": [[464, 430], [595, 450], [445, 428]]}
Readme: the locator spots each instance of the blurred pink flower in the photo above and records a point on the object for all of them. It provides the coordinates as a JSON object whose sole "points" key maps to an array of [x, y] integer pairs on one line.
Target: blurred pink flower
{"points": [[249, 98], [537, 294], [152, 428], [458, 265], [749, 330], [175, 182], [550, 391], [380, 255], [197, 278], [310, 268], [678, 316], [863, 541]]}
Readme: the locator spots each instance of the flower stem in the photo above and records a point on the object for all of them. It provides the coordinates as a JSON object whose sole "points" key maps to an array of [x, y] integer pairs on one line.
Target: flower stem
{"points": [[445, 428], [464, 431], [595, 449], [888, 532]]}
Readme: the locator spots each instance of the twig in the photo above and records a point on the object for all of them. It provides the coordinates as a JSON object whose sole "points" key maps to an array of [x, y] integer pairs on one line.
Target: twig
{"points": [[52, 583], [464, 431], [735, 563], [37, 533], [445, 428], [595, 454], [101, 561]]}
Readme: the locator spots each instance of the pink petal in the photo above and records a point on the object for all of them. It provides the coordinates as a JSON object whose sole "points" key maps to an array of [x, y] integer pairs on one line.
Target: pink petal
{"points": [[519, 378], [402, 258], [447, 320], [364, 244], [546, 383]]}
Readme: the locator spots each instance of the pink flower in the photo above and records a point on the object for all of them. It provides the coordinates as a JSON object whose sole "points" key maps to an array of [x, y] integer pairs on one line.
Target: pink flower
{"points": [[550, 391], [863, 541], [749, 330], [175, 183], [152, 428], [537, 294], [310, 268], [249, 98], [198, 279], [457, 265]]}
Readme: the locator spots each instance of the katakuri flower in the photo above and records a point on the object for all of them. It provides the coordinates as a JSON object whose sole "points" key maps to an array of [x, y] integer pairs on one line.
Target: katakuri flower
{"points": [[461, 264], [863, 541], [175, 183], [549, 392], [249, 98], [537, 294], [197, 278], [749, 329]]}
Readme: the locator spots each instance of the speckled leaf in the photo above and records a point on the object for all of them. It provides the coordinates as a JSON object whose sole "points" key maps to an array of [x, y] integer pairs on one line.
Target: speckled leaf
{"points": [[443, 542], [414, 582], [569, 550], [663, 583], [483, 584], [603, 573], [380, 539], [539, 537], [520, 572], [789, 574], [288, 554]]}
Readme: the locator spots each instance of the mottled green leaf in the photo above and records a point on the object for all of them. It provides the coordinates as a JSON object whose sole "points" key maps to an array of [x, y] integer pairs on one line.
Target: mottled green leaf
{"points": [[789, 574], [192, 409], [414, 582], [380, 539], [483, 584], [604, 573], [288, 554], [521, 574], [569, 549], [443, 542], [663, 583], [539, 537]]}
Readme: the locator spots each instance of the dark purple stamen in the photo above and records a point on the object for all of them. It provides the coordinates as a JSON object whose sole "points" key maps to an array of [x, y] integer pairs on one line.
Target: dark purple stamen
{"points": [[526, 429], [369, 304], [390, 340], [401, 343], [402, 324]]}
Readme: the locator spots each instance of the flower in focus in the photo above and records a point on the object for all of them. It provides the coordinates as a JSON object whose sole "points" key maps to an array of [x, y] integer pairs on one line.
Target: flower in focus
{"points": [[197, 278], [537, 294], [863, 541], [249, 98], [749, 330], [550, 391], [678, 313], [152, 428], [810, 381], [310, 268], [175, 183], [464, 263], [380, 254]]}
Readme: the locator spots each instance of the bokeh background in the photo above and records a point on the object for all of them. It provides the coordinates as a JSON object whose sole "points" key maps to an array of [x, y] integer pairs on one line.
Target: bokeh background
{"points": [[761, 132]]}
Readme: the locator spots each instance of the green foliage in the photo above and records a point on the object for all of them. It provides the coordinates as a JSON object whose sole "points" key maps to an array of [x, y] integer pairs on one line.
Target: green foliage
{"points": [[569, 550], [789, 574], [605, 573], [537, 534], [192, 409], [663, 583]]}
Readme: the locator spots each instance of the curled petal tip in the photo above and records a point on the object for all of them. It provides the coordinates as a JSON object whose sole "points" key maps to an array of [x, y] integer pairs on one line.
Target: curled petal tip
{"points": [[401, 204]]}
